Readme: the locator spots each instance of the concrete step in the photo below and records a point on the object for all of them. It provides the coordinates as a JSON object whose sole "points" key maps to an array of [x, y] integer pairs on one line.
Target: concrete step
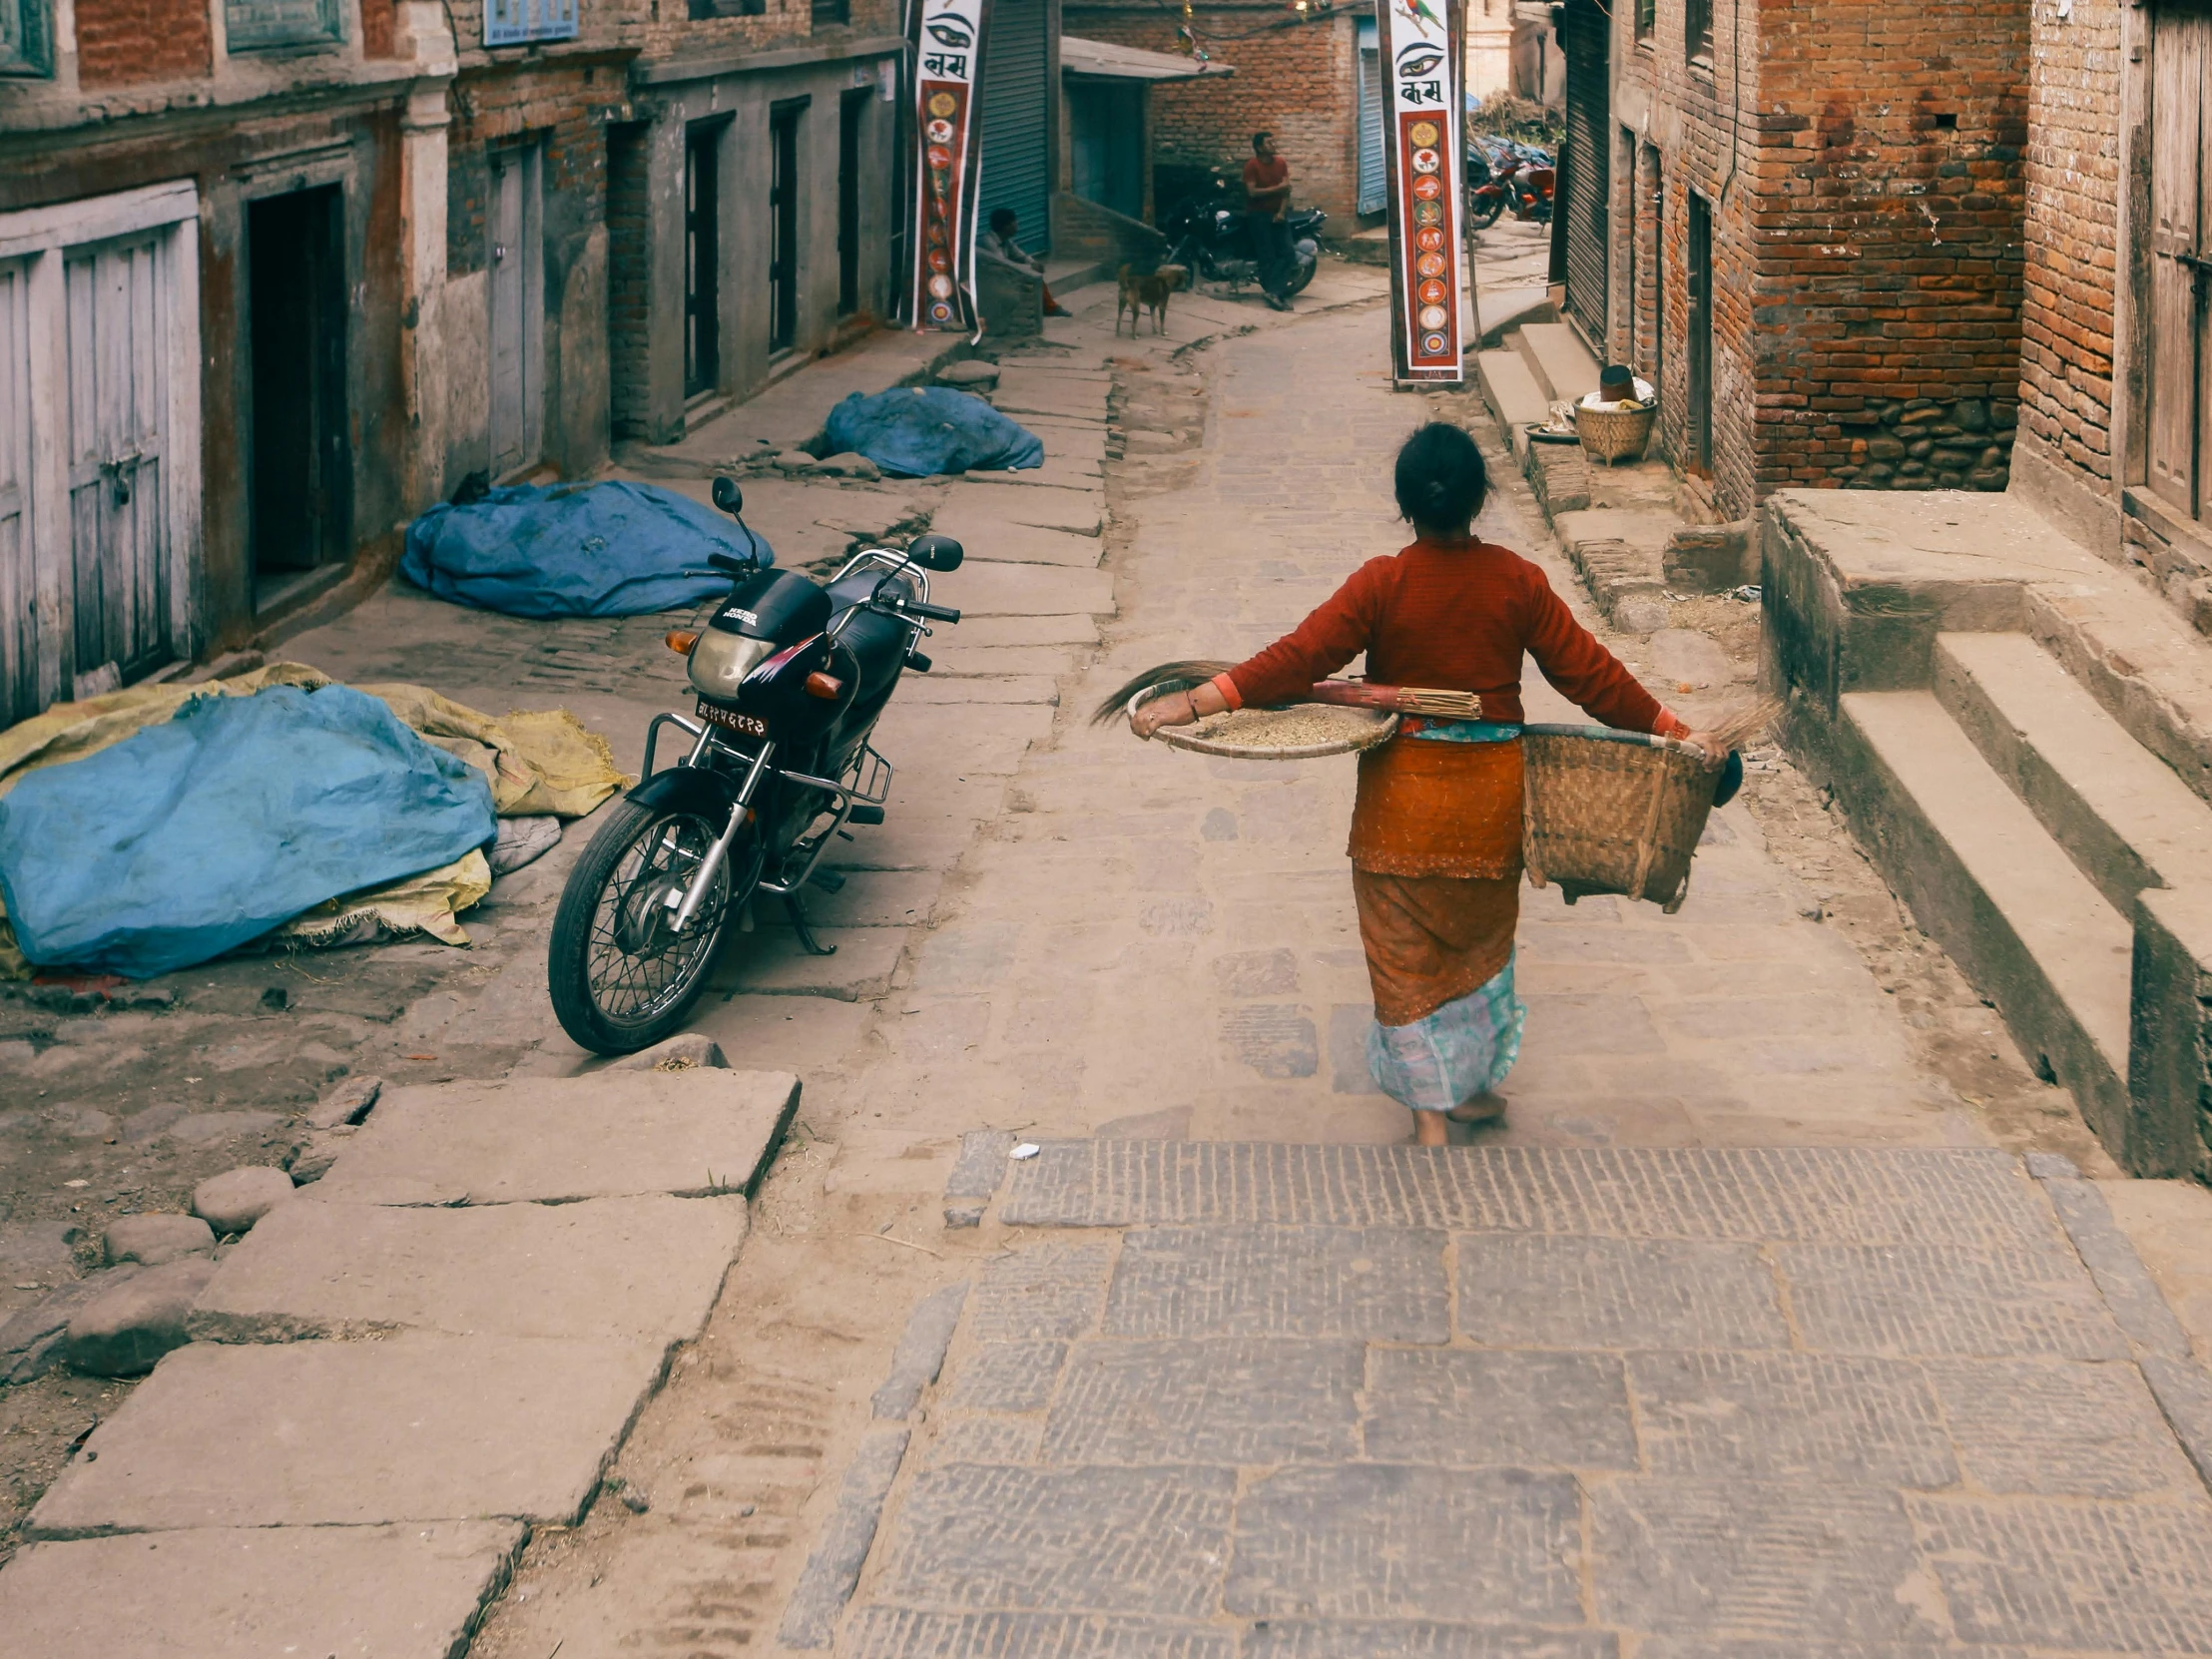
{"points": [[2125, 817], [1511, 388], [1991, 886], [1557, 357]]}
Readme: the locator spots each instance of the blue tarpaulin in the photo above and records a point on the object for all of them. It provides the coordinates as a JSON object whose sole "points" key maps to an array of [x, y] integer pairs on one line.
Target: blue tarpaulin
{"points": [[611, 549], [190, 837], [915, 431]]}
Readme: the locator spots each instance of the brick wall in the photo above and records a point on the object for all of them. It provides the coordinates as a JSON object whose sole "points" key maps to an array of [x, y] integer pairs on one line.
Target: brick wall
{"points": [[124, 41], [1867, 240], [2072, 234], [629, 276], [1293, 78]]}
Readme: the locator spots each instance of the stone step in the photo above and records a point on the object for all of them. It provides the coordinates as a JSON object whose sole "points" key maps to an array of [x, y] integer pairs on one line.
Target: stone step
{"points": [[1555, 355], [400, 1593], [1510, 387], [1990, 884], [2124, 815]]}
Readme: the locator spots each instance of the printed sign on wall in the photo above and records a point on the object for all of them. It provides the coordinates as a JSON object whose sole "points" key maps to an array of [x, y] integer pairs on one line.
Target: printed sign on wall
{"points": [[1421, 52], [949, 59]]}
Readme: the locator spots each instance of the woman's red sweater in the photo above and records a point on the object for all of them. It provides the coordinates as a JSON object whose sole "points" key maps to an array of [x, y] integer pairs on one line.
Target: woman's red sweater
{"points": [[1450, 616], [1447, 616]]}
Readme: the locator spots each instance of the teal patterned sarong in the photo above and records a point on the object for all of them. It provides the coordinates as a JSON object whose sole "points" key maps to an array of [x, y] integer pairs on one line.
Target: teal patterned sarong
{"points": [[1463, 1050]]}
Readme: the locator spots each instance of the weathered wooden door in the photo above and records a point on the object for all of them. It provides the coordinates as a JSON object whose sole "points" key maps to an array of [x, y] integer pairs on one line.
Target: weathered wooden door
{"points": [[515, 322], [117, 395], [2180, 257], [19, 698]]}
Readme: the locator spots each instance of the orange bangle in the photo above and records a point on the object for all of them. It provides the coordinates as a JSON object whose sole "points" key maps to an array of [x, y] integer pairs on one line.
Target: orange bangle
{"points": [[1670, 725], [1227, 689]]}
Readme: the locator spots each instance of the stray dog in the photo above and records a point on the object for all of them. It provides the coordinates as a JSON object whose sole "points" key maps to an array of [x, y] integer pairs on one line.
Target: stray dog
{"points": [[1148, 293]]}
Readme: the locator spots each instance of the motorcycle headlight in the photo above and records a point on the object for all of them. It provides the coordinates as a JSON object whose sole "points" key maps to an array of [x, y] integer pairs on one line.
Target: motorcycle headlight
{"points": [[719, 662]]}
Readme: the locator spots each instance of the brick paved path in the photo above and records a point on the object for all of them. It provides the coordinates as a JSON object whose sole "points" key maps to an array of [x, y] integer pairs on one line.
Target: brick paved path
{"points": [[1340, 1402]]}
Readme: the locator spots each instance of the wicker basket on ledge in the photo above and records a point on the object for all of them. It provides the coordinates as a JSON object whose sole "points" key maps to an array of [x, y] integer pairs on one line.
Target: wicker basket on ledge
{"points": [[1612, 435]]}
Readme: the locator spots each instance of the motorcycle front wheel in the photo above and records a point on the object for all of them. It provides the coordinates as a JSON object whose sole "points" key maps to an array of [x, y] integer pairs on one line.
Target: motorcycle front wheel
{"points": [[1302, 273], [1485, 210], [621, 978]]}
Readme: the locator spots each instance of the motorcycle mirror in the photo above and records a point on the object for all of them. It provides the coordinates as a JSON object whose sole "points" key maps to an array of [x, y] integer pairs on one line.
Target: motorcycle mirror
{"points": [[727, 496], [939, 553]]}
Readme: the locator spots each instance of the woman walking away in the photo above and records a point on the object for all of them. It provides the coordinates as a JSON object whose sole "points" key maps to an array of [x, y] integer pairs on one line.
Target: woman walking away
{"points": [[1436, 829]]}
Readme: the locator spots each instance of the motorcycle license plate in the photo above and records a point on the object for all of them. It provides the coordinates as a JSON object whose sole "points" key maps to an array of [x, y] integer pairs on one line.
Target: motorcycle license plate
{"points": [[729, 720]]}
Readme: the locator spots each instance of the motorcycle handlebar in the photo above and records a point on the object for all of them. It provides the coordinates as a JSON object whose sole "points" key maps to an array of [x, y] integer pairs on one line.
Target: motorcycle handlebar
{"points": [[935, 613]]}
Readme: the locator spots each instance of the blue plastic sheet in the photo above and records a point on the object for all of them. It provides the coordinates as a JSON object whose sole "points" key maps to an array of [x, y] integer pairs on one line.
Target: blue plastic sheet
{"points": [[609, 549], [914, 431], [189, 839]]}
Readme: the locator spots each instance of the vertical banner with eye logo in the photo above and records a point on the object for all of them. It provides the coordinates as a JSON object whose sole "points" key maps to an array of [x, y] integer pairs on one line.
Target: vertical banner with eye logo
{"points": [[1422, 51], [948, 69]]}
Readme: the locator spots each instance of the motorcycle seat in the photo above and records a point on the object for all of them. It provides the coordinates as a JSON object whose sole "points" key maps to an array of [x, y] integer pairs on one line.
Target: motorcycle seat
{"points": [[876, 641]]}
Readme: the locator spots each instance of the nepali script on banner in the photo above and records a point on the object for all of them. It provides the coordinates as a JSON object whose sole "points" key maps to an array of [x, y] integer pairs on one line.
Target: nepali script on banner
{"points": [[1420, 43], [949, 67]]}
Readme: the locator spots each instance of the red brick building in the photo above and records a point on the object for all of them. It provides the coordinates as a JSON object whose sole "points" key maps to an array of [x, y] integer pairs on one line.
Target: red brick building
{"points": [[1816, 250], [1297, 74]]}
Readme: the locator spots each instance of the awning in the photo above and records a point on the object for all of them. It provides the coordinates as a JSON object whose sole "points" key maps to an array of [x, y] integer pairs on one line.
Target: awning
{"points": [[1107, 61]]}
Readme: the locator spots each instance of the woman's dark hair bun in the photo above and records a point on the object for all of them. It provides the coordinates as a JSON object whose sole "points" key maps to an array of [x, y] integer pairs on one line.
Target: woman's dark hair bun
{"points": [[1441, 479]]}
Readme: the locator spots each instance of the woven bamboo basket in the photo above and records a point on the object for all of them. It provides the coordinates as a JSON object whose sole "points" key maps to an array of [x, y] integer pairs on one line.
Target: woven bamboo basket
{"points": [[1609, 812], [1611, 435]]}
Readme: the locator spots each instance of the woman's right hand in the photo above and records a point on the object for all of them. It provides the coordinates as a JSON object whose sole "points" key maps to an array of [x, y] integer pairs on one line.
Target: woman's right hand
{"points": [[1172, 710]]}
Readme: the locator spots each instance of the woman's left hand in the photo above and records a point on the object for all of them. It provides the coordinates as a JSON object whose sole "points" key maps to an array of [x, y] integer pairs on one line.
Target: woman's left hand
{"points": [[1172, 710]]}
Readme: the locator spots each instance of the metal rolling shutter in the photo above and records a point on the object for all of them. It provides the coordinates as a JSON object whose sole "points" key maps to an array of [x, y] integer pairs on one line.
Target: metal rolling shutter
{"points": [[1588, 161], [1375, 189], [1015, 112]]}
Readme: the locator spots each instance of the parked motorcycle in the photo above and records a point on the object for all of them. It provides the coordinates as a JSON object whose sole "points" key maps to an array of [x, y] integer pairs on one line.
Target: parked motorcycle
{"points": [[790, 677], [1208, 235], [1513, 178]]}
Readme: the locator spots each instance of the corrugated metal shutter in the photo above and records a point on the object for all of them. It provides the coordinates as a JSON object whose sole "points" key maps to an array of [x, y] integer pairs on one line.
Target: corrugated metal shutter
{"points": [[1586, 177], [1374, 188], [1015, 111]]}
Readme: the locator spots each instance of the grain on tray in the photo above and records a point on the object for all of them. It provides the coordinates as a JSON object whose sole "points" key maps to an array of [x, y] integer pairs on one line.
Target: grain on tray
{"points": [[1301, 726]]}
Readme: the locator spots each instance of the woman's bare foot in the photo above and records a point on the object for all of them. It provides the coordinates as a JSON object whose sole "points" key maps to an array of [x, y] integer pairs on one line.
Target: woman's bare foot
{"points": [[1483, 1108], [1429, 1130]]}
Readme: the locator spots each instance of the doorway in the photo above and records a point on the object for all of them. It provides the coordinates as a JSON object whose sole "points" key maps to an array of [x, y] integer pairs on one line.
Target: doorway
{"points": [[1106, 126], [2180, 255], [782, 208], [851, 127], [703, 257], [299, 498], [517, 312], [1699, 461]]}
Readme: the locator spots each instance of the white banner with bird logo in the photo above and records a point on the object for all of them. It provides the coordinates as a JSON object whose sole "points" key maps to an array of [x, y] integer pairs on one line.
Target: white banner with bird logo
{"points": [[1421, 52], [948, 68]]}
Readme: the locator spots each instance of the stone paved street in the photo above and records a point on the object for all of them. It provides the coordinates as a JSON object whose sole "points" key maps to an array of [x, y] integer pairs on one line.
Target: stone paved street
{"points": [[1788, 1311], [1249, 1399]]}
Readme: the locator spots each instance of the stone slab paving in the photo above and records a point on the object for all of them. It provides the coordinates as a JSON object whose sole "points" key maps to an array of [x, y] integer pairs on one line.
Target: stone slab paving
{"points": [[353, 1433], [609, 1135], [256, 1593], [634, 1269], [1249, 1400]]}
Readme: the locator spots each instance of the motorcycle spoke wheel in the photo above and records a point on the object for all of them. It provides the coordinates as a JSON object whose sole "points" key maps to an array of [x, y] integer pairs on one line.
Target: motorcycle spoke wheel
{"points": [[621, 977]]}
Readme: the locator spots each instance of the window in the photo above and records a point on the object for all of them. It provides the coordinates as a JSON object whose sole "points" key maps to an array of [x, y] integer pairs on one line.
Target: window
{"points": [[26, 38], [831, 12], [727, 8], [263, 25], [1647, 18], [1697, 29], [519, 22]]}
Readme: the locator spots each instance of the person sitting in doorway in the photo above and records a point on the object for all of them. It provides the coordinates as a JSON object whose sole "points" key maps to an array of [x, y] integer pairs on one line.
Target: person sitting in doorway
{"points": [[1267, 182], [999, 240]]}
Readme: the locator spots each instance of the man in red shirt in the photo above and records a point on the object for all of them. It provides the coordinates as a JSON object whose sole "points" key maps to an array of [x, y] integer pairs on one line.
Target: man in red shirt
{"points": [[1267, 182]]}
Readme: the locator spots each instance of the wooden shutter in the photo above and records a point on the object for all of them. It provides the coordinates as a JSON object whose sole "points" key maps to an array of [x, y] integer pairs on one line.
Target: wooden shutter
{"points": [[2181, 50]]}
